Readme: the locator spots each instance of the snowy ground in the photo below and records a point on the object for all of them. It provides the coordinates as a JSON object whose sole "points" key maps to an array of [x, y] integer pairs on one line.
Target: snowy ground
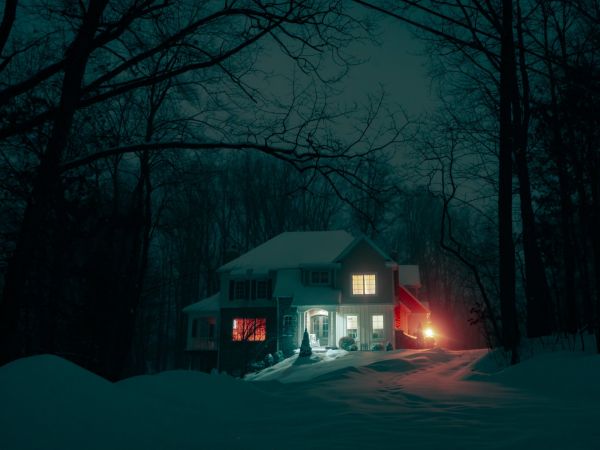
{"points": [[430, 399]]}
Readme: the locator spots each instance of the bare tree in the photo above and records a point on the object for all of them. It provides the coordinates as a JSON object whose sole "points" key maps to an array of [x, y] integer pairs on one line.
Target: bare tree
{"points": [[86, 65]]}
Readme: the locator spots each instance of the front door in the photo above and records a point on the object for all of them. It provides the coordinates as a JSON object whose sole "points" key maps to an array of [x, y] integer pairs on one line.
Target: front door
{"points": [[320, 328]]}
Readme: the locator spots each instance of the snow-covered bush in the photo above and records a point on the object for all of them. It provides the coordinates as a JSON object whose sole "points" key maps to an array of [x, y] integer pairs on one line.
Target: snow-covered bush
{"points": [[278, 356], [389, 347], [256, 366], [377, 347], [346, 342], [305, 349], [269, 360]]}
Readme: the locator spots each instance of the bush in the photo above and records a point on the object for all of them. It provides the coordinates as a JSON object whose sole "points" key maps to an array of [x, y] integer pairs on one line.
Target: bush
{"points": [[269, 360], [346, 342], [389, 347], [377, 348], [353, 348], [257, 366], [278, 357]]}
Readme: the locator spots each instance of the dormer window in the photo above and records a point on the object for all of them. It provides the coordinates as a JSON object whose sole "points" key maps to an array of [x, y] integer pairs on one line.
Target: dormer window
{"points": [[261, 289], [320, 277], [241, 291], [364, 284], [250, 289]]}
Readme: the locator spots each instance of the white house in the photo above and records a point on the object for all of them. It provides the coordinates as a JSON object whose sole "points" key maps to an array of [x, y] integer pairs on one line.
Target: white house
{"points": [[327, 282]]}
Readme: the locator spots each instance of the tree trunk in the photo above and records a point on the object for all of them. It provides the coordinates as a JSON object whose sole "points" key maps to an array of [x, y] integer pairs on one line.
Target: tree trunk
{"points": [[34, 282], [537, 292], [510, 327]]}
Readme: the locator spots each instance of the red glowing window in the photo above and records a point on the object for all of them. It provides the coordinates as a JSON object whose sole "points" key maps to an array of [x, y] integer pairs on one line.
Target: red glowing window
{"points": [[254, 329]]}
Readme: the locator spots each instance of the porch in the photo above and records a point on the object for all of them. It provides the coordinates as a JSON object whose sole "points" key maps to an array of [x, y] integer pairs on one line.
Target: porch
{"points": [[368, 325]]}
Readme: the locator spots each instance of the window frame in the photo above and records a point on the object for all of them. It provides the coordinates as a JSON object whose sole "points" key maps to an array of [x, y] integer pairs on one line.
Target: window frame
{"points": [[363, 284], [379, 332], [320, 281], [287, 325], [244, 290], [264, 284], [204, 328], [355, 334], [257, 334]]}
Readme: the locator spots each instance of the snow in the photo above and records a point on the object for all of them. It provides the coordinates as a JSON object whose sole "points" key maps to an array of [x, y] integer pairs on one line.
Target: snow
{"points": [[289, 284], [291, 250], [424, 399], [206, 305]]}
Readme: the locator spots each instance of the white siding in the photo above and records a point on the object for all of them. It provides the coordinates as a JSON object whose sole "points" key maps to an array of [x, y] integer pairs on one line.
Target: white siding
{"points": [[365, 323]]}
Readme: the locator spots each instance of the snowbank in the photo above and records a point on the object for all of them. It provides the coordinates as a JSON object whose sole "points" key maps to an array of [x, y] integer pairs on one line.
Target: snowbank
{"points": [[417, 399]]}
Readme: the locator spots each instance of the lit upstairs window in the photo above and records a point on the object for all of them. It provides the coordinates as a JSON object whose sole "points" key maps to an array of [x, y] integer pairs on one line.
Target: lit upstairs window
{"points": [[254, 329], [363, 284]]}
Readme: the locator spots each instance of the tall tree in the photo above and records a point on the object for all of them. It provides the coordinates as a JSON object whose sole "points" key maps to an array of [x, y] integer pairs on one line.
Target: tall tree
{"points": [[114, 51]]}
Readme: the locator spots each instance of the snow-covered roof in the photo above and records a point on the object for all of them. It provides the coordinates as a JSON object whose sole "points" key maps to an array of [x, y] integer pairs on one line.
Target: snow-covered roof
{"points": [[316, 295], [408, 275], [292, 250], [288, 284], [206, 305]]}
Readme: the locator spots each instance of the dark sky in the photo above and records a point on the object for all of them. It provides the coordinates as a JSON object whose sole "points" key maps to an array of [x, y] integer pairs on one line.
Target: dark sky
{"points": [[396, 62], [399, 65]]}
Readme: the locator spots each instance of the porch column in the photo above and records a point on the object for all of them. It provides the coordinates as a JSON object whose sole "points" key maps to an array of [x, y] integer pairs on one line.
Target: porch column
{"points": [[332, 333]]}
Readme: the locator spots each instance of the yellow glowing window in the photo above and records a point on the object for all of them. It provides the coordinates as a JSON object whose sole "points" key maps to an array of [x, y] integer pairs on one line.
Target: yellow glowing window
{"points": [[363, 284], [249, 329], [377, 326], [352, 326]]}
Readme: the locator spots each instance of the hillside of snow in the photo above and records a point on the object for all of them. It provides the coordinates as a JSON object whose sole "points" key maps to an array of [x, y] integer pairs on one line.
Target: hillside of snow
{"points": [[427, 399]]}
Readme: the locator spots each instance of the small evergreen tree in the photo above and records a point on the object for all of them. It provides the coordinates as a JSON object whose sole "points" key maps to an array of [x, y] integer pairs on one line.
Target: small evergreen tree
{"points": [[305, 349]]}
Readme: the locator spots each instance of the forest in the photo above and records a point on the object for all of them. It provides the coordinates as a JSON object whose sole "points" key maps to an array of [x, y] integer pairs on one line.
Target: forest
{"points": [[144, 143]]}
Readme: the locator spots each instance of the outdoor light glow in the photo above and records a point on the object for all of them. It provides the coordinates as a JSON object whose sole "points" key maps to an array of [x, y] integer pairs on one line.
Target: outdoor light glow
{"points": [[429, 332]]}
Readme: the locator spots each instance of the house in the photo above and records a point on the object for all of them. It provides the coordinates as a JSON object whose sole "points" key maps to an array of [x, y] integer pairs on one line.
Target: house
{"points": [[327, 282]]}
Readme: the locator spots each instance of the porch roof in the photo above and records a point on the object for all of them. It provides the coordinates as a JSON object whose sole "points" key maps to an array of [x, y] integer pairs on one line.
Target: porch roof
{"points": [[206, 305]]}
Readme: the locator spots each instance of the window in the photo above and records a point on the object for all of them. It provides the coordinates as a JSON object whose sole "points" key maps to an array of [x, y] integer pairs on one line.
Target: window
{"points": [[320, 325], [254, 329], [352, 326], [211, 329], [240, 291], [261, 289], [363, 284], [378, 326], [325, 327], [319, 277], [287, 325], [204, 327]]}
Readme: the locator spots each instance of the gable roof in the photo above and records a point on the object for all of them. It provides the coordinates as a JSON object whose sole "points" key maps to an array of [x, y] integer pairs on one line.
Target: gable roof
{"points": [[357, 241], [293, 249]]}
